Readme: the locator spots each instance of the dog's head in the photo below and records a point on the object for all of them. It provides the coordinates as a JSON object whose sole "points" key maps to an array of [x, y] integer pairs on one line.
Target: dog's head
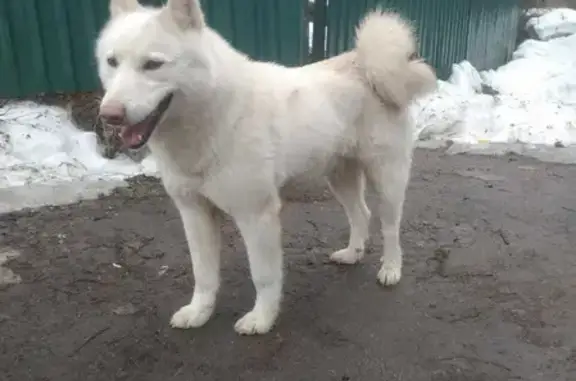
{"points": [[145, 55]]}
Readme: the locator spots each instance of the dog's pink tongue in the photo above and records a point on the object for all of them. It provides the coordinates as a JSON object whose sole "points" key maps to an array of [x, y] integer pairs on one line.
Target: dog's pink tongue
{"points": [[132, 135]]}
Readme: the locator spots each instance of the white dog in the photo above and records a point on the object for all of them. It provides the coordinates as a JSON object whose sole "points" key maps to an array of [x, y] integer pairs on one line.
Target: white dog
{"points": [[228, 132]]}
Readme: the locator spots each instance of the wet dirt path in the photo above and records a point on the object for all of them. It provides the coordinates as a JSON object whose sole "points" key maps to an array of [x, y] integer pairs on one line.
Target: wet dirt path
{"points": [[489, 288]]}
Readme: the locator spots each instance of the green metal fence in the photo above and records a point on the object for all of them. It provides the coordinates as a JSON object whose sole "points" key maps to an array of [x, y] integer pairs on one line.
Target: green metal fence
{"points": [[493, 32], [482, 31], [47, 45]]}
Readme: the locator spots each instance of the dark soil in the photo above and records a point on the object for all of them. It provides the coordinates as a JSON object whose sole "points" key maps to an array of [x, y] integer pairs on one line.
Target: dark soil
{"points": [[489, 292]]}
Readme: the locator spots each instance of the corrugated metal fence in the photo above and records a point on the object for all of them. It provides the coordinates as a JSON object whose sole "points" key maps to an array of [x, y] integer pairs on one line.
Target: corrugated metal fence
{"points": [[47, 45], [482, 31]]}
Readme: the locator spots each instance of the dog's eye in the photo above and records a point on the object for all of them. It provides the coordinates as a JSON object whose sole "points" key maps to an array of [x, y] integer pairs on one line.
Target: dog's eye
{"points": [[152, 64], [112, 61]]}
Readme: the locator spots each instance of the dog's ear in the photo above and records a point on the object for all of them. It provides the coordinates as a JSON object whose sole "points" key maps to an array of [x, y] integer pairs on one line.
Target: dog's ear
{"points": [[187, 14], [117, 7]]}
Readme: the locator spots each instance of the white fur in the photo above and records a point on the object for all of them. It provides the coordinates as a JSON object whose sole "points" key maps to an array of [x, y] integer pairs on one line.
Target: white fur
{"points": [[238, 130]]}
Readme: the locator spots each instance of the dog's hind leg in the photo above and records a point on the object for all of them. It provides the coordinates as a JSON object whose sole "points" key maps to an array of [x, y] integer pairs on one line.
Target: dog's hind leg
{"points": [[347, 183], [203, 236], [262, 234], [389, 176]]}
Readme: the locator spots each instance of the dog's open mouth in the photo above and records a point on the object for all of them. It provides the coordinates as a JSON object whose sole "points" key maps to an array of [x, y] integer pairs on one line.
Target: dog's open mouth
{"points": [[136, 135]]}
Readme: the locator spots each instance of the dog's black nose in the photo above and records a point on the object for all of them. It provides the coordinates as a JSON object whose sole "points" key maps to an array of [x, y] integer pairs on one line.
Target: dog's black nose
{"points": [[113, 113]]}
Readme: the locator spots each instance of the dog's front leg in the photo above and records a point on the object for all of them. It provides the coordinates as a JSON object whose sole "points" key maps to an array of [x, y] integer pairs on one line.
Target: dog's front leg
{"points": [[262, 235], [203, 235]]}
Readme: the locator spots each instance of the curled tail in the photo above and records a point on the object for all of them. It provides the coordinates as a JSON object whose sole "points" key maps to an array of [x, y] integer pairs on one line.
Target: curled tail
{"points": [[386, 52]]}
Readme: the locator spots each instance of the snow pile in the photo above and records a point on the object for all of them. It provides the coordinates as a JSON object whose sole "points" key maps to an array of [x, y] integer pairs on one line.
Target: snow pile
{"points": [[40, 144], [532, 99], [553, 24]]}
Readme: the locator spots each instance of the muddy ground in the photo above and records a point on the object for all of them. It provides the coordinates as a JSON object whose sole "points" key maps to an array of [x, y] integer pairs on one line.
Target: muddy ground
{"points": [[489, 292]]}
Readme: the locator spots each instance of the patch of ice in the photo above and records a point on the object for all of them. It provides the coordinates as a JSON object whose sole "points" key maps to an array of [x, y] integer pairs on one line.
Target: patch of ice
{"points": [[7, 276], [35, 195]]}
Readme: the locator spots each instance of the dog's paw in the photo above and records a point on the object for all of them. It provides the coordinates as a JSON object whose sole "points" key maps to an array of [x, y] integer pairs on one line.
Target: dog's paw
{"points": [[191, 316], [347, 256], [390, 274], [255, 323]]}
